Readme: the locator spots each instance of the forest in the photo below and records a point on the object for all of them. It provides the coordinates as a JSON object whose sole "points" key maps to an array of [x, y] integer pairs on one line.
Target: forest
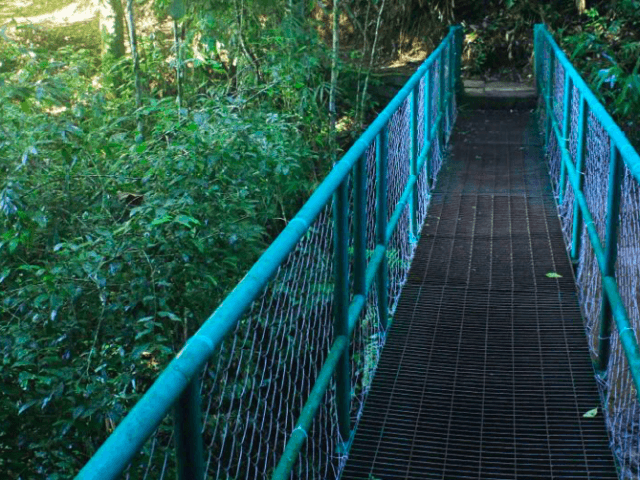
{"points": [[150, 150]]}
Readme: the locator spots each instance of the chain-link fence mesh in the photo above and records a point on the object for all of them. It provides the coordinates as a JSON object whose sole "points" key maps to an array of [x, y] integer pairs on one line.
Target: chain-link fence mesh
{"points": [[254, 388], [621, 407]]}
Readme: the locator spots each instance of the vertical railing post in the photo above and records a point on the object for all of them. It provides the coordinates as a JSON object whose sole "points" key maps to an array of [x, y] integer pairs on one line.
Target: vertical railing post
{"points": [[452, 69], [188, 433], [413, 163], [576, 237], [611, 253], [427, 124], [360, 227], [341, 305], [567, 98], [441, 98], [458, 59], [381, 223], [549, 95], [537, 56], [447, 84]]}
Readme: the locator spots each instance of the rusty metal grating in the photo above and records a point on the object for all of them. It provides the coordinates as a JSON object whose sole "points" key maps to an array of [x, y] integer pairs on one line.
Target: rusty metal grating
{"points": [[486, 372]]}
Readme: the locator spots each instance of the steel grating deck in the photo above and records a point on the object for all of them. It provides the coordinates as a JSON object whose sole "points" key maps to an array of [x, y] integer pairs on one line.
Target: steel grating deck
{"points": [[486, 372]]}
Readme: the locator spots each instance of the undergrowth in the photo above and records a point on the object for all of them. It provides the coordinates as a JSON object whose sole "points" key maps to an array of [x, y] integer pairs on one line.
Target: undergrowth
{"points": [[114, 247]]}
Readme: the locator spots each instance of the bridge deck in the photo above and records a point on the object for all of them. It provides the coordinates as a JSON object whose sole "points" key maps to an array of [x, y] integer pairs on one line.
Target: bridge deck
{"points": [[486, 372]]}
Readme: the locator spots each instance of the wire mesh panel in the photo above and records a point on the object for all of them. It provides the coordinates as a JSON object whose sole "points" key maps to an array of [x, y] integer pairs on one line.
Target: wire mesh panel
{"points": [[558, 91], [398, 156], [254, 388], [622, 397], [421, 131], [399, 250], [372, 184], [596, 172], [420, 114], [566, 206], [590, 291], [436, 158], [621, 406], [266, 369]]}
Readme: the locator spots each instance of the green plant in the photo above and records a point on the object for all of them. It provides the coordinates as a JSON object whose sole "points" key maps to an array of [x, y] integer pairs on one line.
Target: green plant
{"points": [[112, 250]]}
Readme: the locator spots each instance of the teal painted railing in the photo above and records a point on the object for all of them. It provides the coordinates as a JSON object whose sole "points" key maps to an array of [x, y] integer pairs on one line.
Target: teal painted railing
{"points": [[596, 172], [397, 157]]}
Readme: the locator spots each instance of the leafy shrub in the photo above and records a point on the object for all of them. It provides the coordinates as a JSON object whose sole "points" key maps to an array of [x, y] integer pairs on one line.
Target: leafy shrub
{"points": [[606, 50], [114, 249]]}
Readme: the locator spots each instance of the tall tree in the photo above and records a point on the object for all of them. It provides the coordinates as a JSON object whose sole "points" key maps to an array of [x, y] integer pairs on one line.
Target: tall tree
{"points": [[177, 11], [133, 41], [334, 77], [363, 96], [248, 53], [112, 28]]}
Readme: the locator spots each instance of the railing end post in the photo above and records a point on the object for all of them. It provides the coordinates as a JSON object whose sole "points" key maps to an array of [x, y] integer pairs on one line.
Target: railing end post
{"points": [[458, 37]]}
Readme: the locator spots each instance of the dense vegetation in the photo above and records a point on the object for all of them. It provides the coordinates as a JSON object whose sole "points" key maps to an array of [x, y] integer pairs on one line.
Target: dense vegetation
{"points": [[128, 209], [603, 42]]}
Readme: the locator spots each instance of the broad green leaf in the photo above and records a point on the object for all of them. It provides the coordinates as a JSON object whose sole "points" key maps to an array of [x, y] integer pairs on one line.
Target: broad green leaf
{"points": [[591, 413], [186, 220], [177, 9], [169, 315], [164, 219], [554, 275]]}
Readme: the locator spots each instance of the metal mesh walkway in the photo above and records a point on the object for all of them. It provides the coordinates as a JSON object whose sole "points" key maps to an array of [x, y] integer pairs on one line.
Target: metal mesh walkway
{"points": [[486, 372]]}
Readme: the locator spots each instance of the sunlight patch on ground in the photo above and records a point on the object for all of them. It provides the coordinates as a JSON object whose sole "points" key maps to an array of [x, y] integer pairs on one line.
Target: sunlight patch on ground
{"points": [[75, 12], [55, 110], [416, 55], [13, 4]]}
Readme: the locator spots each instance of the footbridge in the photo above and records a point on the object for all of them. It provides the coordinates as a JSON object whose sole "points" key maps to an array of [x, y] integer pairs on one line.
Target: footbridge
{"points": [[458, 299]]}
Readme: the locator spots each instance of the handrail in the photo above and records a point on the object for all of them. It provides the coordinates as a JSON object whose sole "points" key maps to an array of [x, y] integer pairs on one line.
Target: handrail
{"points": [[170, 389], [621, 149], [627, 152]]}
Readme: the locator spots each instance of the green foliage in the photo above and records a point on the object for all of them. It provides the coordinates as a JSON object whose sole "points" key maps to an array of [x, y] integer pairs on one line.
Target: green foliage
{"points": [[606, 50], [603, 44], [498, 36], [113, 250]]}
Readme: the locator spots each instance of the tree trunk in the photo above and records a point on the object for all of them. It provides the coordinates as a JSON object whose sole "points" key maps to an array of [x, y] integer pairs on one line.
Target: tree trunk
{"points": [[371, 57], [177, 11], [176, 42], [248, 53], [112, 28], [334, 79], [136, 62]]}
